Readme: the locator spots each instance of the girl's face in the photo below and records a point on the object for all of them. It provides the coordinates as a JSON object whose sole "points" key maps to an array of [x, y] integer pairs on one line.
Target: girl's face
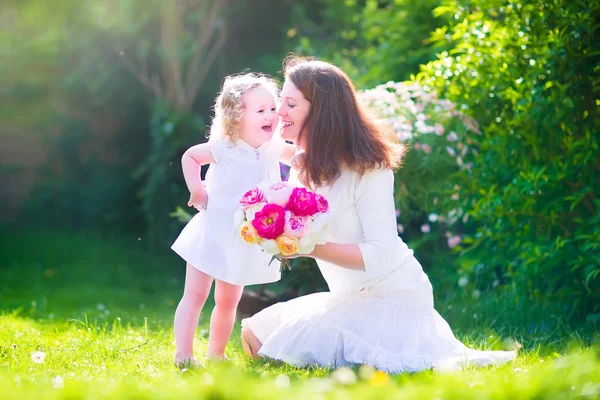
{"points": [[293, 111], [260, 116]]}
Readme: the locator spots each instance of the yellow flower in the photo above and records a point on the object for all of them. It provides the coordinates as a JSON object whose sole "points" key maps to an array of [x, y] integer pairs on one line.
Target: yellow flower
{"points": [[287, 245], [249, 234], [379, 378]]}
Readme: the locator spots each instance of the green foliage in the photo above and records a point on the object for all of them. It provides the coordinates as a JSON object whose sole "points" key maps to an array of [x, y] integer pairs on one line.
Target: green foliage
{"points": [[373, 41], [162, 184], [529, 72]]}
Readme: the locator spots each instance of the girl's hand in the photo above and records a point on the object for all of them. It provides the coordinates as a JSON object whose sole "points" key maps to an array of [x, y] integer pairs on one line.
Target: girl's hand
{"points": [[198, 200]]}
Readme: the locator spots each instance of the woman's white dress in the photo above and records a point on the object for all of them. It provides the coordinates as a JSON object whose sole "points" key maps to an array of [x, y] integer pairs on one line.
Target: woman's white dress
{"points": [[210, 242], [383, 317]]}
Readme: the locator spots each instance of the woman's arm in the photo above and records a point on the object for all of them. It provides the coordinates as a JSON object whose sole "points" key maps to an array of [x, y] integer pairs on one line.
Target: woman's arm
{"points": [[376, 211], [345, 255]]}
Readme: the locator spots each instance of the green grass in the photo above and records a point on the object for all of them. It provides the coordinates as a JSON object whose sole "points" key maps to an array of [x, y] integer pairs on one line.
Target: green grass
{"points": [[101, 310]]}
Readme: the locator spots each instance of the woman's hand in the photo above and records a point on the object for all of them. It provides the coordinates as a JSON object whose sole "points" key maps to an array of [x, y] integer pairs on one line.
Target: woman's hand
{"points": [[198, 200]]}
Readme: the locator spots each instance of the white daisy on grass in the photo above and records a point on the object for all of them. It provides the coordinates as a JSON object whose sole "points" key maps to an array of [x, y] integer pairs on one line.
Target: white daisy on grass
{"points": [[38, 357]]}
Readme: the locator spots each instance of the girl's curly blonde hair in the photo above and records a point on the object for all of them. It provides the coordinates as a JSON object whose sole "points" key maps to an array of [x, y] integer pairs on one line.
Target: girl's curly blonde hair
{"points": [[229, 108]]}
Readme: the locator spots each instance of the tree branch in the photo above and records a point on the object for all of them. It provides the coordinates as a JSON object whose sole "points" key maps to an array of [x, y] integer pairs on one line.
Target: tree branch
{"points": [[204, 38], [208, 62]]}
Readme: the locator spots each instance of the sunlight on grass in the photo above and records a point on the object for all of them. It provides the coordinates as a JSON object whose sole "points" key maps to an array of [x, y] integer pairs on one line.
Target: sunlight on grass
{"points": [[100, 326]]}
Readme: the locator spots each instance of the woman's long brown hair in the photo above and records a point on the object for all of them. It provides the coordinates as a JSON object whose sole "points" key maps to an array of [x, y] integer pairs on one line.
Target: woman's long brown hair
{"points": [[337, 133]]}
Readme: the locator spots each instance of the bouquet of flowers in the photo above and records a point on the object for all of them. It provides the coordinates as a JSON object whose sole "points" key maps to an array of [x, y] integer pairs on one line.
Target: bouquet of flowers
{"points": [[283, 219]]}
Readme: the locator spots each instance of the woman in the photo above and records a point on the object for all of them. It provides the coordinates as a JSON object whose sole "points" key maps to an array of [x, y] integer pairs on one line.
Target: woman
{"points": [[379, 310]]}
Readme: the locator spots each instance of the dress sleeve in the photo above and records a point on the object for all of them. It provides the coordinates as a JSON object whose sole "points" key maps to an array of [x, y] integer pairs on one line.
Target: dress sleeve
{"points": [[376, 212], [218, 147]]}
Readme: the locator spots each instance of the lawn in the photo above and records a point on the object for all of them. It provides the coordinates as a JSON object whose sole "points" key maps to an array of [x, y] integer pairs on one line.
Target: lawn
{"points": [[90, 316]]}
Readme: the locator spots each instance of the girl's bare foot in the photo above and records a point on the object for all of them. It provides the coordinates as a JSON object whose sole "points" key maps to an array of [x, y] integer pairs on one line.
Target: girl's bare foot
{"points": [[216, 357], [187, 363]]}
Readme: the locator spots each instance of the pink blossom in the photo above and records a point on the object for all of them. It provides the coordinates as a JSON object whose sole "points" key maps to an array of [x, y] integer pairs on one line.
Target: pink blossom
{"points": [[451, 151], [295, 225], [278, 193], [270, 221], [400, 228], [439, 129], [426, 148], [302, 202], [454, 241], [322, 203], [252, 197], [425, 228], [397, 213], [417, 146]]}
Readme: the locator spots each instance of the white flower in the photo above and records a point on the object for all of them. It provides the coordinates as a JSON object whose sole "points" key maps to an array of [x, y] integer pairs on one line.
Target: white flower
{"points": [[251, 212], [38, 357], [451, 151], [58, 382], [344, 376], [433, 217], [238, 218], [452, 136], [320, 223], [447, 366], [400, 228], [270, 246], [207, 379], [366, 371], [463, 281], [307, 244], [282, 381]]}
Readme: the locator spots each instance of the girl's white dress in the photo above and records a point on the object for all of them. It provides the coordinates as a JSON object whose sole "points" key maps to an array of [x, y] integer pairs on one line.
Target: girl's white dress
{"points": [[210, 242], [383, 317]]}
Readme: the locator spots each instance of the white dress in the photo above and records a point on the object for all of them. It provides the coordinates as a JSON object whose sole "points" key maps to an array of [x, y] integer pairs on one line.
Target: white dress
{"points": [[210, 242], [383, 317]]}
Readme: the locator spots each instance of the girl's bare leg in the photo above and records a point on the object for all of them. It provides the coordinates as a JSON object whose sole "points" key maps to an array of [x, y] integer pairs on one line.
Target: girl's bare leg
{"points": [[227, 297], [196, 291]]}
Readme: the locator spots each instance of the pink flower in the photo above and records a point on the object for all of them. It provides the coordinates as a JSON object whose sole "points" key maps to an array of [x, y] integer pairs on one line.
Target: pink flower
{"points": [[454, 241], [302, 203], [439, 129], [426, 148], [252, 197], [278, 193], [322, 203], [425, 228], [270, 221], [451, 151], [295, 225]]}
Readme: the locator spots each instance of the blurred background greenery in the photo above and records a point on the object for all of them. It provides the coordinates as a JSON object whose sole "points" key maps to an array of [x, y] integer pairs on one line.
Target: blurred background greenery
{"points": [[498, 100]]}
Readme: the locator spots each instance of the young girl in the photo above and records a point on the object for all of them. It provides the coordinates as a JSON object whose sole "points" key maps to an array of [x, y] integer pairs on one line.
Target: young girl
{"points": [[241, 154]]}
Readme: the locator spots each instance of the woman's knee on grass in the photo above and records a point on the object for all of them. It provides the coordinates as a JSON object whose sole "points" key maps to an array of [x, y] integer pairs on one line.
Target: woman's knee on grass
{"points": [[250, 342]]}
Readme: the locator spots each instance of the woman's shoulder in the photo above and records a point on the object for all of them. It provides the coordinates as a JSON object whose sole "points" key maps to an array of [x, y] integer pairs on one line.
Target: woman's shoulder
{"points": [[372, 175]]}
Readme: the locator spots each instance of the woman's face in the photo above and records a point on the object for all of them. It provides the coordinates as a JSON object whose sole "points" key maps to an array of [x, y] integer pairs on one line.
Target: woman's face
{"points": [[293, 111]]}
